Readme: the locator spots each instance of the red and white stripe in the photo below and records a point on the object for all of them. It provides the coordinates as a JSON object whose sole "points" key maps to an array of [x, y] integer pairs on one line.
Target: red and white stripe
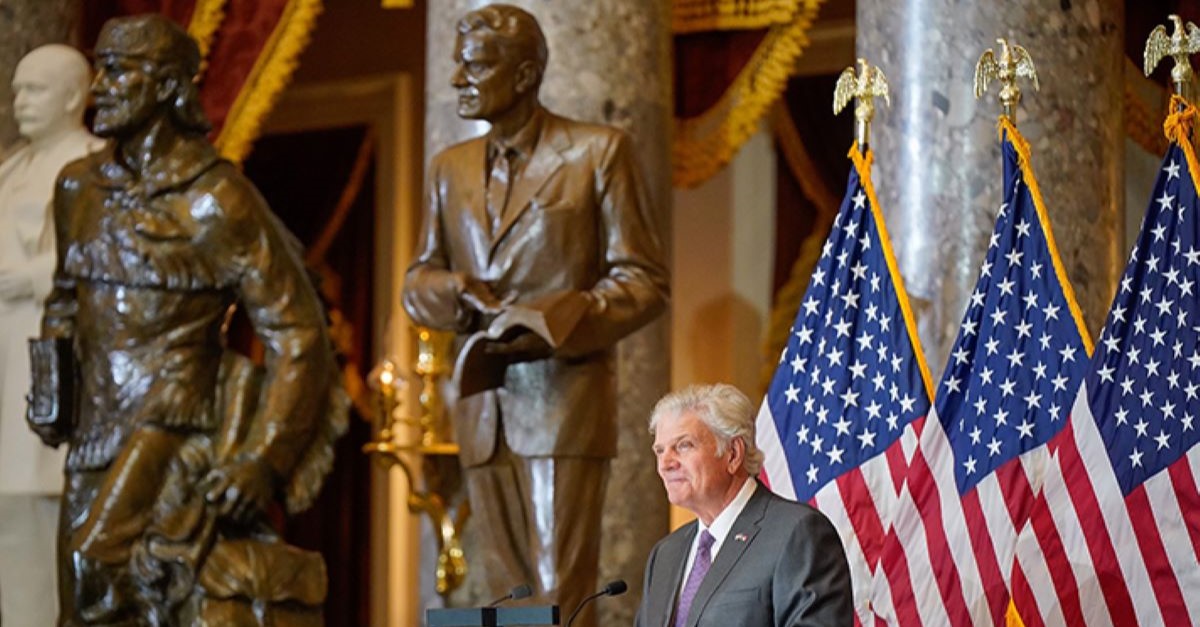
{"points": [[1134, 560], [949, 559], [859, 503]]}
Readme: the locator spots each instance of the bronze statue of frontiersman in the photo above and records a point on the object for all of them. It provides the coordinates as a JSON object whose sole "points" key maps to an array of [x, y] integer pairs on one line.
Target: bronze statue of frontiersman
{"points": [[176, 445]]}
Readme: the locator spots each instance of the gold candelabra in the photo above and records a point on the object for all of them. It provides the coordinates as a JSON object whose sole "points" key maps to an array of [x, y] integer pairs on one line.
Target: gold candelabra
{"points": [[432, 452]]}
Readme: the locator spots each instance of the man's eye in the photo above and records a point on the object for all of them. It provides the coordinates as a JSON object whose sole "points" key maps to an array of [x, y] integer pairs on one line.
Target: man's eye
{"points": [[476, 67]]}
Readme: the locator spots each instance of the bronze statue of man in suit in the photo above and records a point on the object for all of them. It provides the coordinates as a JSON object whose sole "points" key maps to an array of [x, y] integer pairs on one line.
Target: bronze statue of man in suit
{"points": [[543, 213]]}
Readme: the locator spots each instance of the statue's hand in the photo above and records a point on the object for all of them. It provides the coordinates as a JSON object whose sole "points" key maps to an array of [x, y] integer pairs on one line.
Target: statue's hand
{"points": [[527, 346], [477, 295], [241, 489]]}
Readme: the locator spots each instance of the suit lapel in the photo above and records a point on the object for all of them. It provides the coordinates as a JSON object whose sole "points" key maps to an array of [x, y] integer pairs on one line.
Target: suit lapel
{"points": [[741, 535], [546, 160], [476, 200]]}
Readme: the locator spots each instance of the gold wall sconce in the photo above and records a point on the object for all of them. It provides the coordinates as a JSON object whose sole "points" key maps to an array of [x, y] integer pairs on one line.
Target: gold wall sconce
{"points": [[433, 452]]}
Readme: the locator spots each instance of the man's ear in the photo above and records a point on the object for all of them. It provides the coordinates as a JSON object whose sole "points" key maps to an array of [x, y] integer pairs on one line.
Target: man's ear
{"points": [[166, 88], [527, 77], [737, 454], [76, 100]]}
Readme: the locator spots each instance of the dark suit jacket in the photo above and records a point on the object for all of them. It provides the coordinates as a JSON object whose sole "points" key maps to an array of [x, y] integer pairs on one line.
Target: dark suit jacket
{"points": [[577, 220], [782, 565]]}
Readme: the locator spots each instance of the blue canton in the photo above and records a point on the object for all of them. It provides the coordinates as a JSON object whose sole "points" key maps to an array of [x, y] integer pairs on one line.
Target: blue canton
{"points": [[1142, 384], [848, 381], [1019, 357]]}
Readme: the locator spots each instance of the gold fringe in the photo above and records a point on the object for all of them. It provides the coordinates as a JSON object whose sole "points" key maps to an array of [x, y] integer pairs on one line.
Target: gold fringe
{"points": [[1005, 125], [863, 165], [1012, 618], [206, 19], [266, 81], [692, 16], [706, 143]]}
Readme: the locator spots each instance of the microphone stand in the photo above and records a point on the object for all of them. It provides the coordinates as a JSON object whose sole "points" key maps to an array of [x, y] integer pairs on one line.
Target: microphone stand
{"points": [[612, 588]]}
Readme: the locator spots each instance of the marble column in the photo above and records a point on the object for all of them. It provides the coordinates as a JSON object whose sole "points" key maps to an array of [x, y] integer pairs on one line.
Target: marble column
{"points": [[937, 158], [609, 63], [25, 25]]}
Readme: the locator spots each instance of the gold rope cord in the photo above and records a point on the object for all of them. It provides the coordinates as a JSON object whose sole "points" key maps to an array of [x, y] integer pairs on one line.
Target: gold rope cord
{"points": [[787, 299], [266, 81], [693, 16], [704, 144]]}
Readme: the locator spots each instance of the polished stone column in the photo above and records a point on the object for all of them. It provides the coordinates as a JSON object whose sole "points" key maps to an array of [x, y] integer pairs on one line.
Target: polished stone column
{"points": [[609, 63], [937, 161], [25, 25]]}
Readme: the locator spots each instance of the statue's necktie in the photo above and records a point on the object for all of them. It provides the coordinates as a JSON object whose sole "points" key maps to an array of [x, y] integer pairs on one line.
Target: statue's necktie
{"points": [[497, 189], [700, 568]]}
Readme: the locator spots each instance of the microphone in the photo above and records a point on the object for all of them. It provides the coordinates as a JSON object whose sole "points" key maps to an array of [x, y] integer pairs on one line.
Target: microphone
{"points": [[611, 589], [518, 592]]}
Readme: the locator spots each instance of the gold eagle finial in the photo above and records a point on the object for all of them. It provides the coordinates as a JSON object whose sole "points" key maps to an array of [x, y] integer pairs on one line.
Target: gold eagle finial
{"points": [[1014, 62], [869, 83], [1182, 43]]}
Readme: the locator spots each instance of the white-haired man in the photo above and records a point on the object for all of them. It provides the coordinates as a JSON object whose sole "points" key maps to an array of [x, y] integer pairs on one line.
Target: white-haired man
{"points": [[751, 559], [50, 87]]}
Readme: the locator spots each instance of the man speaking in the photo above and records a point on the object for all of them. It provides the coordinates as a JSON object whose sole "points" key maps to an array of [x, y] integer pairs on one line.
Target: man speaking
{"points": [[752, 559]]}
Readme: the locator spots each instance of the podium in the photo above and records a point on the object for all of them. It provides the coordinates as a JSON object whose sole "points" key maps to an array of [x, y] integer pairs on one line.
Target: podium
{"points": [[531, 616]]}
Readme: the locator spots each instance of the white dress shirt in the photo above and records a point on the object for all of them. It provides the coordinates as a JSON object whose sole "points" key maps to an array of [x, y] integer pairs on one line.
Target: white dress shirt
{"points": [[720, 527]]}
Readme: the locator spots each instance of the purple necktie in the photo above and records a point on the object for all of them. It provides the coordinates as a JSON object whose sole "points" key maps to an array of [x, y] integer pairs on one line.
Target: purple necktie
{"points": [[699, 569]]}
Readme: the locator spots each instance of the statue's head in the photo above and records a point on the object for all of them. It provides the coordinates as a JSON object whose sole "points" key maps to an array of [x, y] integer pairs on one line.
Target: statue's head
{"points": [[500, 56], [146, 66], [50, 88]]}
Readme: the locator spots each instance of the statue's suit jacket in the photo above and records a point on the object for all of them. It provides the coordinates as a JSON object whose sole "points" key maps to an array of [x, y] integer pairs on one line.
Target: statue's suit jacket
{"points": [[782, 565], [577, 221]]}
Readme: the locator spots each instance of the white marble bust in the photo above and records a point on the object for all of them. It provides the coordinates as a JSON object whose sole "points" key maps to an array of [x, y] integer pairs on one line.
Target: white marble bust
{"points": [[50, 88]]}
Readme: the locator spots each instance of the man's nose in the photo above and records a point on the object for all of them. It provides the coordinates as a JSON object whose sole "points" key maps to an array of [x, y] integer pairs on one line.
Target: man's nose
{"points": [[459, 78]]}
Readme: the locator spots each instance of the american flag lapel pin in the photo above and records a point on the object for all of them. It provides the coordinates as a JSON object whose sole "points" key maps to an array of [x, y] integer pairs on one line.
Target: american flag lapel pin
{"points": [[740, 537]]}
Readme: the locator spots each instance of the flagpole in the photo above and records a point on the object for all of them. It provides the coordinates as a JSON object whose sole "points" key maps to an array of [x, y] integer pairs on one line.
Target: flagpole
{"points": [[869, 83], [1013, 62]]}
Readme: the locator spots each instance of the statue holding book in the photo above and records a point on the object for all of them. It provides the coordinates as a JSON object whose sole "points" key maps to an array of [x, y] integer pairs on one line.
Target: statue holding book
{"points": [[538, 249]]}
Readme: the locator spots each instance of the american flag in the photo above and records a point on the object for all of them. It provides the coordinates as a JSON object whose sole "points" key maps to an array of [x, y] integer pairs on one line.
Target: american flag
{"points": [[1115, 535], [851, 387], [1021, 352]]}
